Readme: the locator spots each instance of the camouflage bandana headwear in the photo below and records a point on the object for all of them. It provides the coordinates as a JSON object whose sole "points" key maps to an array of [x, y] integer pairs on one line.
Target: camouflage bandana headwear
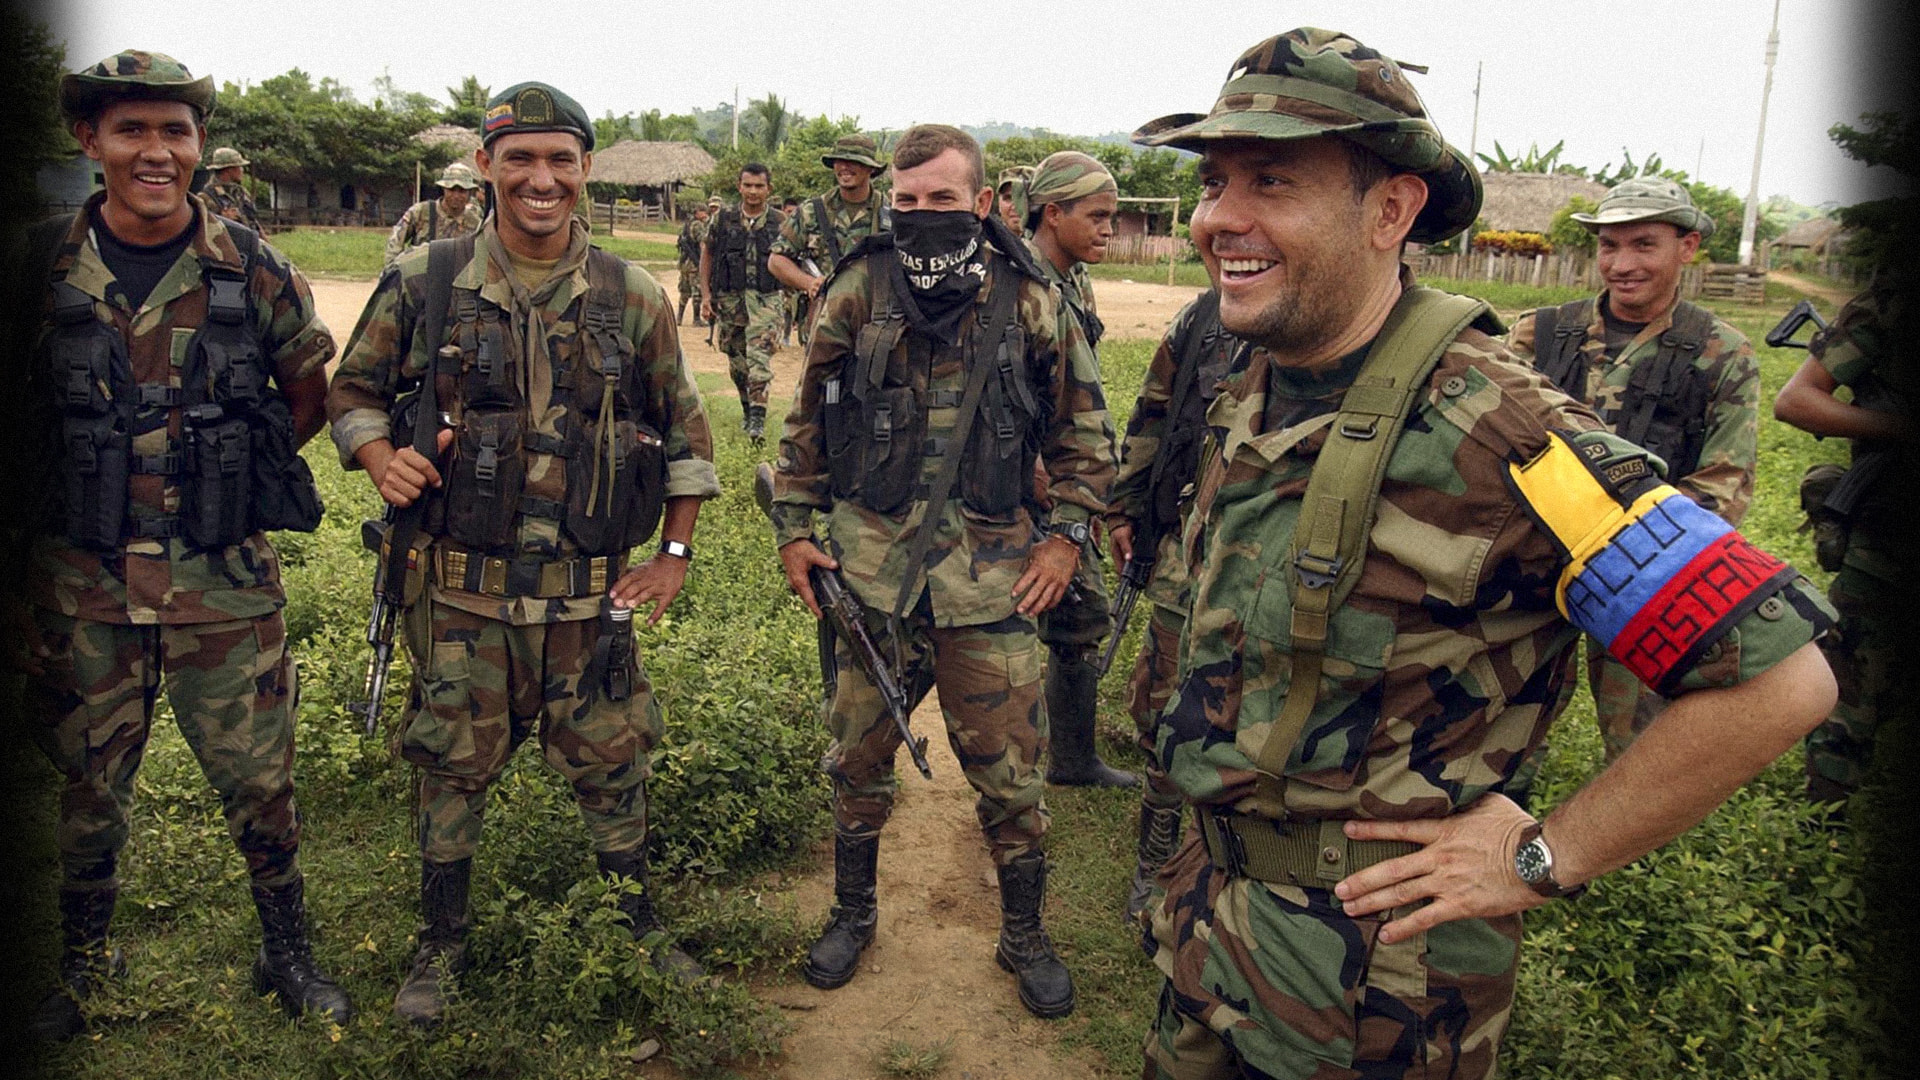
{"points": [[1066, 176], [458, 175], [133, 75], [1648, 199], [1012, 188], [534, 106], [859, 149], [1310, 82], [226, 157]]}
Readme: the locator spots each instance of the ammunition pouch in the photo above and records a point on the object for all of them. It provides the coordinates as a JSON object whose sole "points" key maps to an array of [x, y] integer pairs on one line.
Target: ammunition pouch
{"points": [[285, 496], [93, 387], [1830, 529], [98, 451], [999, 469], [740, 254], [1664, 408], [216, 493], [484, 480], [546, 579]]}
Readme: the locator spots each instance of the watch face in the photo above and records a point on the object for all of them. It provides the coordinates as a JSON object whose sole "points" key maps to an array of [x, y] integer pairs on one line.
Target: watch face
{"points": [[1530, 861]]}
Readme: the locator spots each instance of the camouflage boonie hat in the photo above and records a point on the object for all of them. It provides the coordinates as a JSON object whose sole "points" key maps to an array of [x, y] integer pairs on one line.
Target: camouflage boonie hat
{"points": [[1066, 176], [534, 106], [1648, 199], [714, 202], [458, 175], [133, 75], [1310, 82], [226, 157], [859, 149], [1012, 175]]}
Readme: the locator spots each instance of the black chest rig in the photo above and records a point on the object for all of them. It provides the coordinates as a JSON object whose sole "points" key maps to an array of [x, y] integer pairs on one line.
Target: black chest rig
{"points": [[1665, 406], [611, 468], [740, 253], [1205, 353], [235, 464], [875, 408]]}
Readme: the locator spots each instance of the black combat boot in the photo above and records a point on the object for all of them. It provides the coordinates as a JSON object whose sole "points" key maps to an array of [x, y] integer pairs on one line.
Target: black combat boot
{"points": [[757, 423], [1159, 831], [285, 965], [443, 942], [86, 960], [638, 908], [1025, 950], [1071, 685], [835, 955]]}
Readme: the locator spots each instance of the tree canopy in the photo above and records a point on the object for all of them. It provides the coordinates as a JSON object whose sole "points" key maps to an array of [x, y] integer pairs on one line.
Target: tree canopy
{"points": [[291, 126]]}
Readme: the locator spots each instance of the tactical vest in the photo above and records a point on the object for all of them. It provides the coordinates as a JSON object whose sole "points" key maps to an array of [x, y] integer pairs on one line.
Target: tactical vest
{"points": [[875, 407], [689, 247], [740, 253], [235, 467], [1665, 406], [614, 465], [1206, 350]]}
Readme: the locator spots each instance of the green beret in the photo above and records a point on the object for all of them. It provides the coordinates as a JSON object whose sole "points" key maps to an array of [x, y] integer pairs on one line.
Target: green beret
{"points": [[133, 75], [534, 106], [1309, 82]]}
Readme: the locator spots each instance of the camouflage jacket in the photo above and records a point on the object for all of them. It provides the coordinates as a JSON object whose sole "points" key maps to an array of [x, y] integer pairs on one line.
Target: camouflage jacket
{"points": [[1855, 350], [159, 580], [412, 228], [1510, 521], [382, 357], [1723, 482], [800, 238], [974, 561], [232, 202], [694, 231], [1076, 292], [1146, 429]]}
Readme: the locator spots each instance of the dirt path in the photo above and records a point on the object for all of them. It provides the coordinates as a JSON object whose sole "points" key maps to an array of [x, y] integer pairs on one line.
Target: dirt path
{"points": [[1130, 309], [1836, 297]]}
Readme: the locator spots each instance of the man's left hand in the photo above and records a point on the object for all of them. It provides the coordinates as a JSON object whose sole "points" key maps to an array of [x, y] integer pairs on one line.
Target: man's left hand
{"points": [[1465, 868], [658, 579], [1050, 567]]}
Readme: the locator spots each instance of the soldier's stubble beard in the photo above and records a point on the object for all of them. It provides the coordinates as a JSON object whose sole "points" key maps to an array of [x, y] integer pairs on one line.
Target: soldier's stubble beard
{"points": [[1318, 299]]}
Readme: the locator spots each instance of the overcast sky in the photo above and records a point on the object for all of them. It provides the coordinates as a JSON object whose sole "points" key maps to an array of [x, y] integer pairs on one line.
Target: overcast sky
{"points": [[1659, 78]]}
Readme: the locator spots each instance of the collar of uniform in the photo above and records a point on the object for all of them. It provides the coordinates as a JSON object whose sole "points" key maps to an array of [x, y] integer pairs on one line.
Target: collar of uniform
{"points": [[210, 246], [870, 204], [498, 288], [1659, 324]]}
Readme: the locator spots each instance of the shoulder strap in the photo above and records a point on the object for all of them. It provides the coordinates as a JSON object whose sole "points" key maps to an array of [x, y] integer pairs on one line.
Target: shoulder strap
{"points": [[43, 245], [433, 220], [825, 222], [1558, 335], [605, 304], [1000, 311], [444, 259], [1329, 542], [1203, 329]]}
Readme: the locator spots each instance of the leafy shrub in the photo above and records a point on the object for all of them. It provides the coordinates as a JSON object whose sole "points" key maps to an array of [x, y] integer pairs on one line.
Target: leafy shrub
{"points": [[1512, 242]]}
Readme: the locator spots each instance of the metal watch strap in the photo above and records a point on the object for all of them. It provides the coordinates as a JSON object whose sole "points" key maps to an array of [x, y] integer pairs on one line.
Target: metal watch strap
{"points": [[676, 549]]}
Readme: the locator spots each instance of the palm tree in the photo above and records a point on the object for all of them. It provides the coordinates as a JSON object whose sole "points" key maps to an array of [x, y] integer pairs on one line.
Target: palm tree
{"points": [[770, 120]]}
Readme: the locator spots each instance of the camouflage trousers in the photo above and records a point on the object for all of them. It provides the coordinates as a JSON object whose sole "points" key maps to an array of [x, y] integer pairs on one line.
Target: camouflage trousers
{"points": [[1275, 981], [1082, 623], [688, 285], [990, 682], [231, 685], [1149, 688], [482, 686], [749, 324], [1864, 652]]}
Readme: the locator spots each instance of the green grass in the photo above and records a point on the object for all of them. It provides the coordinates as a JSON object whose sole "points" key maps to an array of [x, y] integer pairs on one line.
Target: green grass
{"points": [[361, 252]]}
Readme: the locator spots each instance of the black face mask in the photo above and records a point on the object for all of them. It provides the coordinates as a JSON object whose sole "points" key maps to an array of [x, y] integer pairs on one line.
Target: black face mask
{"points": [[941, 266]]}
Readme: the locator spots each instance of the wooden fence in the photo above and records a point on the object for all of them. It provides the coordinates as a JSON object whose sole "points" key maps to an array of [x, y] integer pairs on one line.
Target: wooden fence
{"points": [[1147, 249], [1569, 270]]}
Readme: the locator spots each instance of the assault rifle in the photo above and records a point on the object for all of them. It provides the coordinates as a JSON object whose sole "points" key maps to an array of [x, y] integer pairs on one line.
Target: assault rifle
{"points": [[1781, 336], [844, 615], [1135, 574], [394, 539]]}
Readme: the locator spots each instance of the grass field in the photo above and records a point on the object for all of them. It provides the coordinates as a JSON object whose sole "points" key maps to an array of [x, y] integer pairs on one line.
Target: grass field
{"points": [[345, 252], [1736, 951]]}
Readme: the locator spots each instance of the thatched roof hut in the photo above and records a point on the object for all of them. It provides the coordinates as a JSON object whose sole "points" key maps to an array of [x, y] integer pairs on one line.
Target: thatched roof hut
{"points": [[1527, 201], [634, 163], [1814, 234], [462, 140]]}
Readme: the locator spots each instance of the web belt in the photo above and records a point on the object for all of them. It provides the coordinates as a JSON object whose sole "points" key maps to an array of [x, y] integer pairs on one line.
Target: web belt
{"points": [[1309, 854]]}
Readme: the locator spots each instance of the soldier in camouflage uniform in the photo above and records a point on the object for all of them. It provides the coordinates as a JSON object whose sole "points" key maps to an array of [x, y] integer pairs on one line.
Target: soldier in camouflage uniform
{"points": [[138, 581], [1872, 585], [1158, 460], [692, 235], [873, 442], [1071, 199], [227, 194], [740, 295], [454, 213], [1349, 902], [1696, 405], [573, 417], [828, 226], [1010, 196]]}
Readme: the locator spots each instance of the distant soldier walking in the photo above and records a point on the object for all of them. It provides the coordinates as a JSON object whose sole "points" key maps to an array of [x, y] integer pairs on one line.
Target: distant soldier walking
{"points": [[454, 213], [741, 296], [227, 193], [692, 235], [828, 226]]}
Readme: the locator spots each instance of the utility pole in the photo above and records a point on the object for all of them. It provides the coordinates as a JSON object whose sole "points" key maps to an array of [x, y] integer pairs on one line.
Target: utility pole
{"points": [[1751, 218], [1473, 145], [736, 116]]}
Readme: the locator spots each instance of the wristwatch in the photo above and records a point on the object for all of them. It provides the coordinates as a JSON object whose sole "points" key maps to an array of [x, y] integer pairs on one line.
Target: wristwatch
{"points": [[1075, 531], [1533, 861], [676, 549]]}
